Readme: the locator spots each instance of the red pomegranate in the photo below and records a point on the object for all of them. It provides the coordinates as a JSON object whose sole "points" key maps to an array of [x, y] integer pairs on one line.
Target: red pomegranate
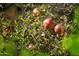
{"points": [[59, 28], [47, 23]]}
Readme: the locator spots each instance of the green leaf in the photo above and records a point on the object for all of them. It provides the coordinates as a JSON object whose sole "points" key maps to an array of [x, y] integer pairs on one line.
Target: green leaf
{"points": [[25, 52], [1, 42], [71, 43], [39, 53], [67, 42], [10, 48], [76, 18]]}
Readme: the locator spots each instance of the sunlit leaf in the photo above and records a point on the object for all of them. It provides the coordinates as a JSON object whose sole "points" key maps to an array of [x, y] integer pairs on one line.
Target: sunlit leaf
{"points": [[10, 48], [25, 52]]}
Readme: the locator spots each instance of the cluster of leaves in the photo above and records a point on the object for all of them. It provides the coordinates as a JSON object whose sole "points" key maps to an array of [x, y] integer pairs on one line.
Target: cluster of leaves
{"points": [[71, 41], [28, 37]]}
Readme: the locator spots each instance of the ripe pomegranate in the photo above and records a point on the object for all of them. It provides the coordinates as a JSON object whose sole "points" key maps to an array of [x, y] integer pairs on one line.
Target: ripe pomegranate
{"points": [[47, 23], [36, 12], [59, 28]]}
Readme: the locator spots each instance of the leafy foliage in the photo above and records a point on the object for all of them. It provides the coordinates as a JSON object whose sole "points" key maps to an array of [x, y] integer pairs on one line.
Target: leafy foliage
{"points": [[71, 42], [27, 29], [1, 42], [76, 16]]}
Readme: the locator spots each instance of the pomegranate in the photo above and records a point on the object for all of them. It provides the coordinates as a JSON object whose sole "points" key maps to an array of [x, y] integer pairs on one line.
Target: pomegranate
{"points": [[36, 12], [47, 23], [59, 28]]}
